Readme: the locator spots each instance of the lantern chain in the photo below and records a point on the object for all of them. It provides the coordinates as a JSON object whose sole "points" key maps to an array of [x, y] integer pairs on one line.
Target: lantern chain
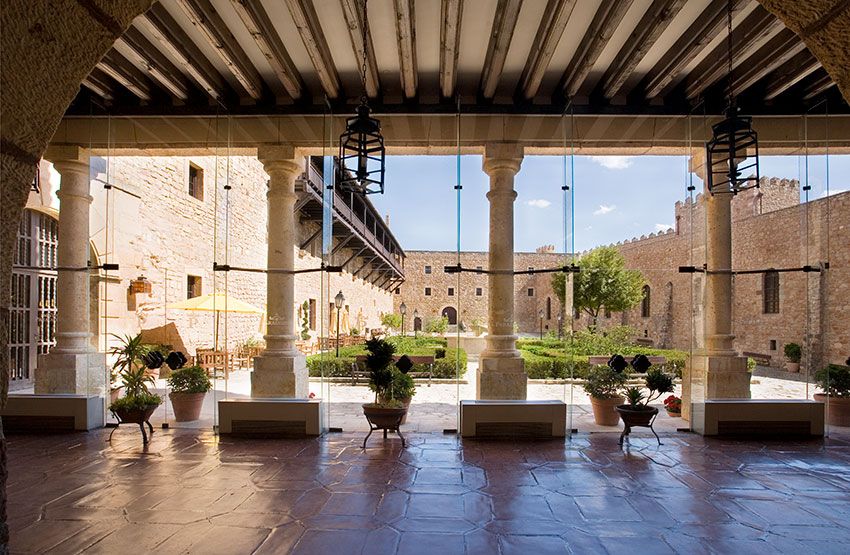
{"points": [[364, 99]]}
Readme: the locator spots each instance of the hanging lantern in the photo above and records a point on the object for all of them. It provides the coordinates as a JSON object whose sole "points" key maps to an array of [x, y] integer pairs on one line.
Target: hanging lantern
{"points": [[141, 285], [361, 154], [361, 146], [732, 154]]}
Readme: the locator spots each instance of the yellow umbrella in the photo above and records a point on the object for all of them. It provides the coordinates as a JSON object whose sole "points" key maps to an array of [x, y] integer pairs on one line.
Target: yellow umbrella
{"points": [[216, 302]]}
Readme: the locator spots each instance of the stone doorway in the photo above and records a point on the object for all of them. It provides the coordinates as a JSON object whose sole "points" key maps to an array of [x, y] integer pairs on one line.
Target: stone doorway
{"points": [[450, 313]]}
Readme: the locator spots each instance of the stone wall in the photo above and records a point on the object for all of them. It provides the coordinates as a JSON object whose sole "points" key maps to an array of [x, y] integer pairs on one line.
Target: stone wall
{"points": [[472, 307], [771, 229], [150, 225]]}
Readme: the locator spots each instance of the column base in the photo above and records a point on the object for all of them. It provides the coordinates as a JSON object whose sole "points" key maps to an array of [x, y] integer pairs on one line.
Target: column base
{"points": [[280, 376], [501, 378], [714, 377], [70, 373]]}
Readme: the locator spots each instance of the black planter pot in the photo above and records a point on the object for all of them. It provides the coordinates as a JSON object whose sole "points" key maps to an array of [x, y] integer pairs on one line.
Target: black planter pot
{"points": [[384, 418], [135, 416], [640, 416]]}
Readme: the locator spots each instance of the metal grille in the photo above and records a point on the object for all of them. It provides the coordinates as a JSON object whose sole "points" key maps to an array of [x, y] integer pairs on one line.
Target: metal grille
{"points": [[32, 329]]}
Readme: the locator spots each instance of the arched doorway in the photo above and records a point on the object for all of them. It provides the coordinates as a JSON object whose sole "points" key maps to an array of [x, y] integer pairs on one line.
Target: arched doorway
{"points": [[450, 313]]}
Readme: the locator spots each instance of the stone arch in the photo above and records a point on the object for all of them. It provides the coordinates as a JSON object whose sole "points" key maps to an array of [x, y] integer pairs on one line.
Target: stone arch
{"points": [[450, 313]]}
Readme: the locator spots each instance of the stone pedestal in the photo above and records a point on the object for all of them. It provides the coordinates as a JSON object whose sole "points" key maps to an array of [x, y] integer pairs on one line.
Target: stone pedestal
{"points": [[281, 370], [66, 369], [501, 372]]}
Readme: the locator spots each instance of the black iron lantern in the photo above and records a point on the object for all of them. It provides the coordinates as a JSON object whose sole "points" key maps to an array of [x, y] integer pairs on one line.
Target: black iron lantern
{"points": [[361, 146], [361, 154], [732, 141]]}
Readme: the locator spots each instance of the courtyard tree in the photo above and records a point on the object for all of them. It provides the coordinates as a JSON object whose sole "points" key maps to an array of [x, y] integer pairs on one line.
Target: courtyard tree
{"points": [[391, 321], [603, 282]]}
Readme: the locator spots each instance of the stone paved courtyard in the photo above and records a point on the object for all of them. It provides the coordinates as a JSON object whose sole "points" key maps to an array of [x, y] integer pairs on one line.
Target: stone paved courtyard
{"points": [[192, 492]]}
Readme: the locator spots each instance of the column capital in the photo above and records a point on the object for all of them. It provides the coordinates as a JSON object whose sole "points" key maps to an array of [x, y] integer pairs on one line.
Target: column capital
{"points": [[502, 157], [273, 153], [59, 154]]}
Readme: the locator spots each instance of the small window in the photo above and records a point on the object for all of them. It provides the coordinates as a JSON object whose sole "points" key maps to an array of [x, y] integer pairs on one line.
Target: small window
{"points": [[479, 292], [398, 290], [645, 302], [531, 291], [427, 291], [531, 268], [479, 268], [548, 308], [451, 291], [427, 269], [771, 292], [193, 287], [196, 182], [772, 344]]}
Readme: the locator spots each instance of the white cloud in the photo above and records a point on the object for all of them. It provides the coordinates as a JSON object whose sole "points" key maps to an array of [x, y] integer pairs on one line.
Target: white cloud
{"points": [[663, 227], [613, 162], [604, 209], [539, 203]]}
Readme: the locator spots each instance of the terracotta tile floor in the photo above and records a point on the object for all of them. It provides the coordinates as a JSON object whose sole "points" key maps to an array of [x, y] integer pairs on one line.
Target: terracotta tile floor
{"points": [[190, 492]]}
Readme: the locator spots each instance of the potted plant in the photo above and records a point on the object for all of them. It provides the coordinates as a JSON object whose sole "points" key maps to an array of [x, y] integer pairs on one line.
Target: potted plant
{"points": [[834, 380], [603, 385], [138, 404], [387, 411], [793, 352], [673, 405], [637, 411], [188, 388], [114, 386]]}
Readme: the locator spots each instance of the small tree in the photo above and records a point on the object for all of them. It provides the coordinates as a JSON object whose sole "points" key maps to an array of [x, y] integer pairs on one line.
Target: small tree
{"points": [[305, 321], [391, 321], [437, 325], [603, 281]]}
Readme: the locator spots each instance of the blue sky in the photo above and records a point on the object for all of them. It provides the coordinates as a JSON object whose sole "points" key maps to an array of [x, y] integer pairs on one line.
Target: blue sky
{"points": [[615, 197]]}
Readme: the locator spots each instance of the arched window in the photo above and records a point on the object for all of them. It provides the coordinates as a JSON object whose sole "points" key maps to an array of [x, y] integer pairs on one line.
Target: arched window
{"points": [[645, 302], [770, 291], [548, 308]]}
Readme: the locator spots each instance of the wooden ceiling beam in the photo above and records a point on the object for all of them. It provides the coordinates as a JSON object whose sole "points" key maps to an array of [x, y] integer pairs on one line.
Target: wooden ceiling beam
{"points": [[545, 41], [160, 68], [450, 14], [307, 22], [206, 19], [775, 53], [129, 76], [654, 21], [818, 85], [798, 68], [760, 24], [406, 35], [268, 41], [710, 24], [173, 40], [501, 34], [98, 82], [353, 13], [604, 24]]}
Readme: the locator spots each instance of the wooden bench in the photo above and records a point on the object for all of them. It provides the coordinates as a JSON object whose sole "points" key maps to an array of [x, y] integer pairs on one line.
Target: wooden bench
{"points": [[358, 367], [760, 358]]}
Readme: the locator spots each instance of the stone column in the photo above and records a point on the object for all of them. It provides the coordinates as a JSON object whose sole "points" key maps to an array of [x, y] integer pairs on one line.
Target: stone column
{"points": [[281, 370], [716, 371], [501, 372], [66, 368]]}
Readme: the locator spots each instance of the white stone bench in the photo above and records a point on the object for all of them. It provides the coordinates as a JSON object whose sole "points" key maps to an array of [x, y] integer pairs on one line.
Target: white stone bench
{"points": [[270, 417], [52, 413], [513, 419], [758, 417]]}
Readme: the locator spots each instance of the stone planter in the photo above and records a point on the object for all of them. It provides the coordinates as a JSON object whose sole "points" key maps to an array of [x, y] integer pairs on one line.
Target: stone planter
{"points": [[792, 367], [384, 417], [605, 410], [636, 415], [838, 413], [187, 406]]}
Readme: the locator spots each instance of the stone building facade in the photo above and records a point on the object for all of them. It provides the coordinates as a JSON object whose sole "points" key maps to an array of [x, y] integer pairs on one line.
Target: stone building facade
{"points": [[433, 292], [154, 226], [771, 229]]}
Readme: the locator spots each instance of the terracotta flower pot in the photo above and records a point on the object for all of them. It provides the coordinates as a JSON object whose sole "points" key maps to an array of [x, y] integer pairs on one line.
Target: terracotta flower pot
{"points": [[838, 413], [674, 414], [792, 367], [604, 410], [187, 406]]}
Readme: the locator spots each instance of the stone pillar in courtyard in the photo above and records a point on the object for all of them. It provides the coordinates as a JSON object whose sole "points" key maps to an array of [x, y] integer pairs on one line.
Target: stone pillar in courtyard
{"points": [[501, 372], [71, 366], [716, 371], [281, 370]]}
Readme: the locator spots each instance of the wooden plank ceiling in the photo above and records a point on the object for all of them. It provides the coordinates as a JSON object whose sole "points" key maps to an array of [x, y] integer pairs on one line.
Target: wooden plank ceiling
{"points": [[429, 56]]}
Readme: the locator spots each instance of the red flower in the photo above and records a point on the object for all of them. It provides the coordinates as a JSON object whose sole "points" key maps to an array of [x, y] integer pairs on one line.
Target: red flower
{"points": [[311, 396]]}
